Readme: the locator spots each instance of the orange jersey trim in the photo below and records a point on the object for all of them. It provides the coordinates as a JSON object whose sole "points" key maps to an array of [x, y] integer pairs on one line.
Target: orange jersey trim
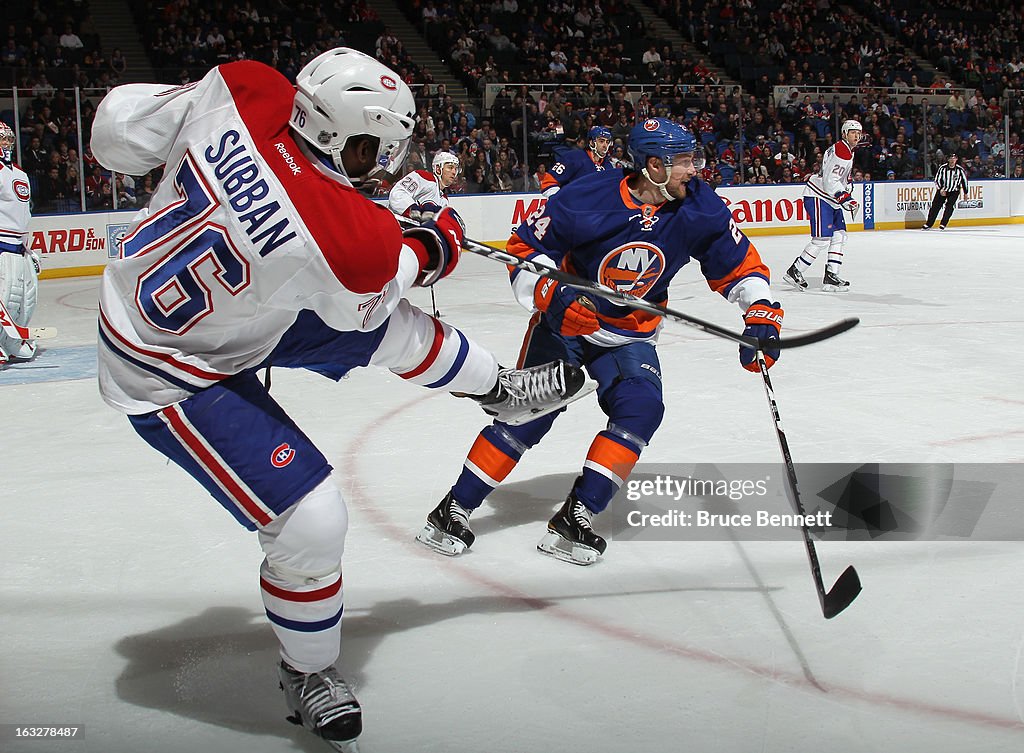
{"points": [[751, 265]]}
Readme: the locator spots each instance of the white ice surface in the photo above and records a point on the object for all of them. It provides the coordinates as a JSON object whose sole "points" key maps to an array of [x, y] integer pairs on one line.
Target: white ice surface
{"points": [[129, 600]]}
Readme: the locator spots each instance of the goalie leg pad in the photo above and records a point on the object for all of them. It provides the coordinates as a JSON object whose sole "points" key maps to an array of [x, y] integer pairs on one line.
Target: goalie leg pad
{"points": [[19, 286]]}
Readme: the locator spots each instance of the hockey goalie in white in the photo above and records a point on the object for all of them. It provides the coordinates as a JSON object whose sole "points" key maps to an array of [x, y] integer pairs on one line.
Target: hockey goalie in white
{"points": [[19, 267]]}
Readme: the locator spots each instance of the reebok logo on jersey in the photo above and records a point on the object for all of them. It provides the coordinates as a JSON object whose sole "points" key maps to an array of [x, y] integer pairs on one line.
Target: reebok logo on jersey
{"points": [[296, 170], [282, 455]]}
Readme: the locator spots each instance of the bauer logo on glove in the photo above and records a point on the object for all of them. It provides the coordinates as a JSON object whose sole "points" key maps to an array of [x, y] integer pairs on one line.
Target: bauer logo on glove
{"points": [[763, 321]]}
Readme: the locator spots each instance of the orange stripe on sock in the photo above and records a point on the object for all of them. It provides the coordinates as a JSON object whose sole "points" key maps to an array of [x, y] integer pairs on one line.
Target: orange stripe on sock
{"points": [[490, 459], [612, 455]]}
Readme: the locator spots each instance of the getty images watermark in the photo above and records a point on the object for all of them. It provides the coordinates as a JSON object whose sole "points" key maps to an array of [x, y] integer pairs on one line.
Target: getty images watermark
{"points": [[850, 501], [676, 489]]}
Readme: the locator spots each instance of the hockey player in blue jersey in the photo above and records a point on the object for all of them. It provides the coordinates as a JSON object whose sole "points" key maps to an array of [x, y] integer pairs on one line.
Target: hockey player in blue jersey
{"points": [[576, 163], [633, 234]]}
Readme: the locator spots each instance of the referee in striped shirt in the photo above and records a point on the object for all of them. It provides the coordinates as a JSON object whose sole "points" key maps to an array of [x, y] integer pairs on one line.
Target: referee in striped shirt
{"points": [[950, 180]]}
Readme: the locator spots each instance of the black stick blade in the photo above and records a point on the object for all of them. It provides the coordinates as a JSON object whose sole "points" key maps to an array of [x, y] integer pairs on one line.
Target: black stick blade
{"points": [[809, 338], [843, 592]]}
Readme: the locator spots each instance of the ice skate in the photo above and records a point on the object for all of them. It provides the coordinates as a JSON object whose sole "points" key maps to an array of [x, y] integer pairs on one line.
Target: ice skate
{"points": [[832, 283], [521, 395], [795, 278], [447, 530], [322, 703], [571, 536], [926, 227]]}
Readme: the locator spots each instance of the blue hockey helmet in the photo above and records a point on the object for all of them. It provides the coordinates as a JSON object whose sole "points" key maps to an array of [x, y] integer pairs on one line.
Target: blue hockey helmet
{"points": [[599, 132], [662, 138]]}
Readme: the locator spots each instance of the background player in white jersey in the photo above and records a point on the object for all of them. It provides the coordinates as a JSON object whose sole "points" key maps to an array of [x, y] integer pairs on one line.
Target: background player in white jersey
{"points": [[422, 194], [633, 233], [826, 195], [256, 249], [19, 268]]}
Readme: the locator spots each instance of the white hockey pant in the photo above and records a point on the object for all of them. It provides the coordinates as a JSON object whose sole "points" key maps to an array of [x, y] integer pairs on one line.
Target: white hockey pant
{"points": [[19, 287], [426, 351], [300, 579]]}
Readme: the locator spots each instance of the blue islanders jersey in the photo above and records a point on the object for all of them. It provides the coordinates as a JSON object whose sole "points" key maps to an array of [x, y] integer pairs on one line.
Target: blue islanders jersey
{"points": [[595, 229], [572, 165]]}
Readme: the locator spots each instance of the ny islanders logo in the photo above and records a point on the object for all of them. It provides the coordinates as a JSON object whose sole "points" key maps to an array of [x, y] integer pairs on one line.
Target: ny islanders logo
{"points": [[632, 268]]}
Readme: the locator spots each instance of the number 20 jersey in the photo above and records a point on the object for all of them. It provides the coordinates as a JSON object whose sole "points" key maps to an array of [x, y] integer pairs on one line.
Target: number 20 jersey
{"points": [[242, 233], [594, 228]]}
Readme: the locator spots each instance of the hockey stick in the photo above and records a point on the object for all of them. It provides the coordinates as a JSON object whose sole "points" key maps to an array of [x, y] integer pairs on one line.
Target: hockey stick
{"points": [[17, 332], [846, 588], [632, 301]]}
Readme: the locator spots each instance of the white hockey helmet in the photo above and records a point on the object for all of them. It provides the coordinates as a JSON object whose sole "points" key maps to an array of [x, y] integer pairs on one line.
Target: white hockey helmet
{"points": [[6, 142], [343, 93], [850, 125], [445, 158]]}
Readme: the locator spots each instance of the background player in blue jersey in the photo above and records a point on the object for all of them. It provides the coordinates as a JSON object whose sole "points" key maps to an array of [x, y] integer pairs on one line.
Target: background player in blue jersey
{"points": [[575, 163], [633, 234]]}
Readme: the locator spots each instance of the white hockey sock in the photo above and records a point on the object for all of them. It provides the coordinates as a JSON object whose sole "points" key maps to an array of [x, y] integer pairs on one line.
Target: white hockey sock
{"points": [[301, 581], [810, 253], [835, 252], [428, 352]]}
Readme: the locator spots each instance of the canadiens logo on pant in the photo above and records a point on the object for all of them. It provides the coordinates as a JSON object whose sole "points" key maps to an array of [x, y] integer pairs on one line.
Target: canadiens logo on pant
{"points": [[282, 455]]}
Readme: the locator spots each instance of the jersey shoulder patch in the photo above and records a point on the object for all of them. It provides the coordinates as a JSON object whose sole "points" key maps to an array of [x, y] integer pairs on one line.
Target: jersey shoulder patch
{"points": [[427, 175], [843, 151]]}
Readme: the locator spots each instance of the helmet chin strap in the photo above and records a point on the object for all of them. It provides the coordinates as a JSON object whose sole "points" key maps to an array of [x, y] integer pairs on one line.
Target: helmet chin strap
{"points": [[661, 186]]}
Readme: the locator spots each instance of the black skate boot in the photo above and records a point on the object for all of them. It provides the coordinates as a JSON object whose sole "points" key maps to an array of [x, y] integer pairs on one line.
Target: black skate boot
{"points": [[521, 395], [322, 703], [571, 536], [832, 283], [794, 277], [447, 530]]}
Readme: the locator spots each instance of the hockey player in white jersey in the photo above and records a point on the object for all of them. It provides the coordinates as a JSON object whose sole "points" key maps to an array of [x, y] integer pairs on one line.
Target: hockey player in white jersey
{"points": [[19, 268], [422, 194], [826, 195], [257, 249]]}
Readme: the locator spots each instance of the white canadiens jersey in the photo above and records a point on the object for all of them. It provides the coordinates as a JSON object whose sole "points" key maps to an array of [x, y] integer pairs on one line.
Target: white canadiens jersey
{"points": [[242, 233], [417, 188], [836, 167], [15, 195]]}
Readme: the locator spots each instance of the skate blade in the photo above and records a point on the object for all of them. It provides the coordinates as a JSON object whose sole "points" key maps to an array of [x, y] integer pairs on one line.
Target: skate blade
{"points": [[589, 386], [835, 288], [555, 546], [795, 284], [440, 541], [344, 746]]}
